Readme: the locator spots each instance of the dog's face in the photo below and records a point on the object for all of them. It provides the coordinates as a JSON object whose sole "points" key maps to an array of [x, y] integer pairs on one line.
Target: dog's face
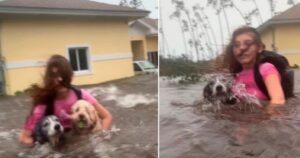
{"points": [[218, 90], [51, 126], [84, 115], [217, 86]]}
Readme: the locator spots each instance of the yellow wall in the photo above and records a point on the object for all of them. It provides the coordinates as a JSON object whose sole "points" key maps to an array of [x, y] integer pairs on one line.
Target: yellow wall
{"points": [[21, 79], [287, 37], [106, 71], [266, 37], [152, 44], [139, 49], [293, 58], [38, 38]]}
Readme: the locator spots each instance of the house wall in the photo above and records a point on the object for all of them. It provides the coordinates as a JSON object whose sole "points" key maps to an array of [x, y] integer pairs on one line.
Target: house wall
{"points": [[287, 37], [27, 42], [140, 50], [266, 37], [152, 44], [287, 42]]}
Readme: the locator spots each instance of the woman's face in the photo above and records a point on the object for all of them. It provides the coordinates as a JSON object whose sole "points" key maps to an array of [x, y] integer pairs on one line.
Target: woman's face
{"points": [[245, 49], [56, 78]]}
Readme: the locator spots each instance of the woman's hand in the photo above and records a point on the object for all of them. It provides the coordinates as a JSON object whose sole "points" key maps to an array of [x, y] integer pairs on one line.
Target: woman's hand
{"points": [[105, 116], [272, 110], [25, 138]]}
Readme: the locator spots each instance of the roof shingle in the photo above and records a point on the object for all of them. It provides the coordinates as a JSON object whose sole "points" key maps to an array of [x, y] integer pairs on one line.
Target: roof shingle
{"points": [[64, 4], [68, 7], [291, 15]]}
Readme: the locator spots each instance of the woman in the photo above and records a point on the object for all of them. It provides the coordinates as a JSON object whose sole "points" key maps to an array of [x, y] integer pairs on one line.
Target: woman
{"points": [[56, 97], [240, 58]]}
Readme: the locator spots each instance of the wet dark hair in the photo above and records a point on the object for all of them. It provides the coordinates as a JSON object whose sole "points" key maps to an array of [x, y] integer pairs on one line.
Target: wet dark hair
{"points": [[229, 61], [46, 93]]}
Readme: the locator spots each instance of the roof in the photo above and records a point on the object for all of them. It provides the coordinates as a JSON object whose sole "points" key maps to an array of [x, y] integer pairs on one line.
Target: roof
{"points": [[150, 24], [291, 15], [68, 7]]}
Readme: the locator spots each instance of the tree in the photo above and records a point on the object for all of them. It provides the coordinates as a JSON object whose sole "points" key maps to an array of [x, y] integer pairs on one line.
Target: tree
{"points": [[291, 2], [124, 3], [183, 27], [131, 3], [135, 3]]}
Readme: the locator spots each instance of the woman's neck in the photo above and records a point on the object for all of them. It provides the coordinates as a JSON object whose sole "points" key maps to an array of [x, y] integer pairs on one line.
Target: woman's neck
{"points": [[62, 93], [248, 66]]}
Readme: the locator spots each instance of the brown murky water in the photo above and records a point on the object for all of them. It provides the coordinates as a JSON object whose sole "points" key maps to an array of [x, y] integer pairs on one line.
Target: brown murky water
{"points": [[133, 104], [186, 132]]}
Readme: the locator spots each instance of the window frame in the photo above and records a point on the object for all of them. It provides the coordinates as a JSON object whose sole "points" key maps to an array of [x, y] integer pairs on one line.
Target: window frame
{"points": [[89, 65]]}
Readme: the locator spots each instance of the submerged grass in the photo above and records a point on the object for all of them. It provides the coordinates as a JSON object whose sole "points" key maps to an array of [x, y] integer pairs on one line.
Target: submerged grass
{"points": [[182, 67]]}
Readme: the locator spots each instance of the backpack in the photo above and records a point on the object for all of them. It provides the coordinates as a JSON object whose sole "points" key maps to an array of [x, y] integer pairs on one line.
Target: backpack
{"points": [[282, 65], [50, 105]]}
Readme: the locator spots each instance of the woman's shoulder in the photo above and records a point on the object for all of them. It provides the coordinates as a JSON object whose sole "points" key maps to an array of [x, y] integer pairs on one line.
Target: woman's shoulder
{"points": [[39, 108], [267, 68], [86, 95], [266, 65], [84, 92]]}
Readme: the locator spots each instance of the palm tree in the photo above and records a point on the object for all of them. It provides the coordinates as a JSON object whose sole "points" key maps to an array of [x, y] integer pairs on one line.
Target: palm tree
{"points": [[164, 43], [123, 3], [187, 22], [224, 5], [177, 14], [209, 26], [204, 27], [232, 5], [272, 7], [258, 11], [216, 5], [135, 3], [291, 2]]}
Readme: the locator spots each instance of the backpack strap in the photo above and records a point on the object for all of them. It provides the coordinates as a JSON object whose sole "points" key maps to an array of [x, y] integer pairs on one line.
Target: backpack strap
{"points": [[50, 104], [77, 91], [282, 66]]}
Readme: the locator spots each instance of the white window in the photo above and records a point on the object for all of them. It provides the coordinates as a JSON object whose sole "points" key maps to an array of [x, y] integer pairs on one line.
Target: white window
{"points": [[79, 58]]}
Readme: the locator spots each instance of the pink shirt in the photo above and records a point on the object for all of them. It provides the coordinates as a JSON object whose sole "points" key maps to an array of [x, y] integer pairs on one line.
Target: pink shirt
{"points": [[247, 77], [61, 108]]}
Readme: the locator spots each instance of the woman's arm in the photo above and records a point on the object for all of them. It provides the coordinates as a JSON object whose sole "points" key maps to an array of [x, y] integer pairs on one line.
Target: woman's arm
{"points": [[26, 134], [275, 91], [274, 88], [104, 114]]}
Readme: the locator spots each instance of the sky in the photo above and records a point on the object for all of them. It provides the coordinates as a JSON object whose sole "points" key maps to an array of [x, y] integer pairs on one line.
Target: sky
{"points": [[172, 40], [150, 5]]}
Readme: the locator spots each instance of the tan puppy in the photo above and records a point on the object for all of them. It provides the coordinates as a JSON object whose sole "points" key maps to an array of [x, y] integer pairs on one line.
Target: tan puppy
{"points": [[85, 117]]}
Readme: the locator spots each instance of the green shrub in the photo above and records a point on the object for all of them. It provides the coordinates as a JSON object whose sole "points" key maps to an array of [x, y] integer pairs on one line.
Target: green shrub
{"points": [[188, 70]]}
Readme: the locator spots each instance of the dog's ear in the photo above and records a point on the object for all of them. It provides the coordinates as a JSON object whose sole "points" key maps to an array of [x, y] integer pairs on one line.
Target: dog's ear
{"points": [[93, 113], [207, 91]]}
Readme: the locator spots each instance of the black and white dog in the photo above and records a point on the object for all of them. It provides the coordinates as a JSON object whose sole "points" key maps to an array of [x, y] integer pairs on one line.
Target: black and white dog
{"points": [[48, 129], [218, 91]]}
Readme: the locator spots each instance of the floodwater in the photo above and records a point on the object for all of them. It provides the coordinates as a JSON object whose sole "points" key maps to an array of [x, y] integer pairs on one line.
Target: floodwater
{"points": [[185, 131], [133, 104]]}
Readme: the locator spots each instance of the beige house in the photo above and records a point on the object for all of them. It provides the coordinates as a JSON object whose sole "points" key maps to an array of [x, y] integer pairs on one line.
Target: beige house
{"points": [[144, 39], [93, 36], [282, 34]]}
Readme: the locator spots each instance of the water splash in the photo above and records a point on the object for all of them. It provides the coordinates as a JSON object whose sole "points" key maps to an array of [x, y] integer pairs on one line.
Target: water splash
{"points": [[113, 93], [244, 96]]}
